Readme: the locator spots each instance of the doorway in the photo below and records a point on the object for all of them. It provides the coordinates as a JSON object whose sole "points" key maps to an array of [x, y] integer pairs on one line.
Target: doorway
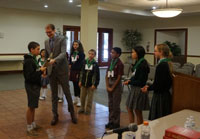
{"points": [[104, 42]]}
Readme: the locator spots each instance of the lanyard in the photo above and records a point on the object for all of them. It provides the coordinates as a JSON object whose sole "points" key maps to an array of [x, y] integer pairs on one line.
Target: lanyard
{"points": [[35, 60], [89, 63], [164, 60], [75, 53], [113, 63], [42, 62], [138, 63]]}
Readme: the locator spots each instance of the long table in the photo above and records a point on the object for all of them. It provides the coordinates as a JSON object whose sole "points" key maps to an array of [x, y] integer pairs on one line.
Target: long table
{"points": [[158, 126]]}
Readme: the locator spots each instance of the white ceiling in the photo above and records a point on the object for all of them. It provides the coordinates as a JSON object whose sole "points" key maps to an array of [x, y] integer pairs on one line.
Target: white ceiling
{"points": [[107, 8]]}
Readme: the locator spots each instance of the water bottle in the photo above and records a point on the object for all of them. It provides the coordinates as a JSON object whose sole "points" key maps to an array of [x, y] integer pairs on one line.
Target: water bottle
{"points": [[192, 122], [187, 123], [145, 130]]}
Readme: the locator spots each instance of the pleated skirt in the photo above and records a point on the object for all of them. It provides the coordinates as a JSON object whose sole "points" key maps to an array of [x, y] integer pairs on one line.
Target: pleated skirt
{"points": [[137, 100]]}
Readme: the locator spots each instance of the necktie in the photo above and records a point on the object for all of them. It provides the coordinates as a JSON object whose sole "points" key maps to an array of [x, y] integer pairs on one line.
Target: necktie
{"points": [[51, 44]]}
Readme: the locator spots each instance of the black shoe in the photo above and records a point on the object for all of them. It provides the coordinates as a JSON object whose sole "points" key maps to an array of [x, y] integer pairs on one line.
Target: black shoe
{"points": [[74, 119], [54, 121], [108, 125]]}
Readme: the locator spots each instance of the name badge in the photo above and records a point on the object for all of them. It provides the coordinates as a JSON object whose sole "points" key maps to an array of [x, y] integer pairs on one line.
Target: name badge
{"points": [[88, 68], [74, 59], [110, 74]]}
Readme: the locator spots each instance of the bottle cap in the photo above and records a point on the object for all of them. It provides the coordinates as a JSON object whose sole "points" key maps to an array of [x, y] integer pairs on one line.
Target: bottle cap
{"points": [[146, 123]]}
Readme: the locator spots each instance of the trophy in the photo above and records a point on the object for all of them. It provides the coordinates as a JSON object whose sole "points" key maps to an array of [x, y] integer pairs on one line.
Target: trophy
{"points": [[48, 60]]}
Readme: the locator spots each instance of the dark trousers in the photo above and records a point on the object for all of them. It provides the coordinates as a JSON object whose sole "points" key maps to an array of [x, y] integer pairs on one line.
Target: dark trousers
{"points": [[64, 82], [76, 89], [114, 100]]}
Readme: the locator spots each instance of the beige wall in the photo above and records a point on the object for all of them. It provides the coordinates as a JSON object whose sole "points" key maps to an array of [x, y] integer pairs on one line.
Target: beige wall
{"points": [[192, 23], [194, 60], [150, 58], [22, 26]]}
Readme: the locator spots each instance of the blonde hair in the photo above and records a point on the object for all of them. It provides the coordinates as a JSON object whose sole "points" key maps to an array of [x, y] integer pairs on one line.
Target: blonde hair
{"points": [[166, 52]]}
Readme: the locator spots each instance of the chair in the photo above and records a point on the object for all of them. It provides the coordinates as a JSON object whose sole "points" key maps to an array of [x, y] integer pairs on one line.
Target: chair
{"points": [[176, 64], [190, 69], [175, 67], [189, 64], [182, 70], [197, 71], [127, 71]]}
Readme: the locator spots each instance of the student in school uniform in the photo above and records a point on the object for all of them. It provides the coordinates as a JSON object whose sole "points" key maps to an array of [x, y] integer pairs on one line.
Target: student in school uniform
{"points": [[77, 57], [162, 99], [32, 74], [44, 78], [138, 101], [88, 81], [114, 88]]}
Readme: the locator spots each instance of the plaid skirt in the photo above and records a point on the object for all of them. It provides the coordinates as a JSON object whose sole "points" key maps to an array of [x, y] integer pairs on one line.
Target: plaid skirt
{"points": [[161, 105], [137, 100]]}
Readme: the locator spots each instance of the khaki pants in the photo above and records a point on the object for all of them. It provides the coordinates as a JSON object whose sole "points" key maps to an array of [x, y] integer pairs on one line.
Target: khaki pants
{"points": [[86, 99]]}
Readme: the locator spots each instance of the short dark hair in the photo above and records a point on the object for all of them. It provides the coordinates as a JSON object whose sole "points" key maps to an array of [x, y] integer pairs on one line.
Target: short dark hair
{"points": [[51, 26], [32, 45], [92, 50], [42, 51], [117, 50], [140, 51]]}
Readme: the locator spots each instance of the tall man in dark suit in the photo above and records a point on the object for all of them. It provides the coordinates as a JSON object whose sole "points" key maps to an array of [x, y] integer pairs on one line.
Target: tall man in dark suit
{"points": [[57, 70]]}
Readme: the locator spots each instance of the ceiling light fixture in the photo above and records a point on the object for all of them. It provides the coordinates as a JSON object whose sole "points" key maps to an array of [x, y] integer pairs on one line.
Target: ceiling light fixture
{"points": [[70, 1], [46, 6], [167, 12]]}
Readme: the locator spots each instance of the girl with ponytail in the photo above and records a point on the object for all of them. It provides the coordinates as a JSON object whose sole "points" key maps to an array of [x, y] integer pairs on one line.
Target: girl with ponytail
{"points": [[162, 99]]}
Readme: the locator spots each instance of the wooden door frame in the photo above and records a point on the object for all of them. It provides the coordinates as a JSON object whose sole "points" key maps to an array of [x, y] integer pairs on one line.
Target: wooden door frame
{"points": [[110, 31], [110, 45], [71, 28]]}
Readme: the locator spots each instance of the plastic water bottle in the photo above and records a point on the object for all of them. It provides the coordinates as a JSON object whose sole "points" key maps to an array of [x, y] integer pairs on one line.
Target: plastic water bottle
{"points": [[145, 131], [187, 123], [190, 123]]}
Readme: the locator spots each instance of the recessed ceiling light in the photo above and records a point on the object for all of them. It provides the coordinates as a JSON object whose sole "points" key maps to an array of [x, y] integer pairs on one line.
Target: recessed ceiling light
{"points": [[70, 1], [46, 6]]}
